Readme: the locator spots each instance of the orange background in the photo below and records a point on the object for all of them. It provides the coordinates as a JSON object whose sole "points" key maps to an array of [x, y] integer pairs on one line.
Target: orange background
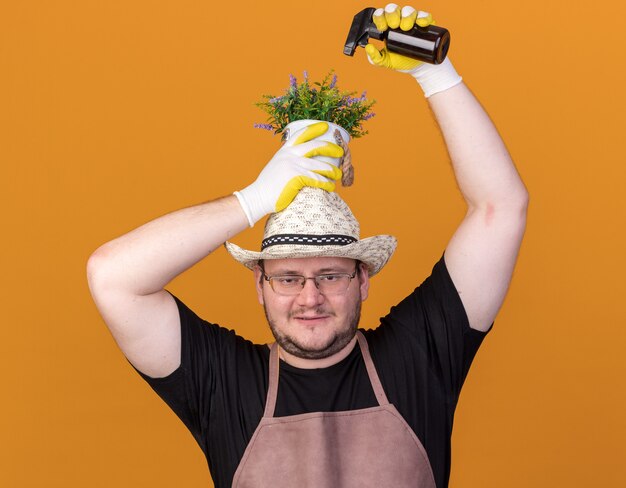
{"points": [[112, 113]]}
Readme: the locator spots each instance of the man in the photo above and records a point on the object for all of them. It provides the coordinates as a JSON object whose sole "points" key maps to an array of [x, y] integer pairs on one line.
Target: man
{"points": [[327, 405]]}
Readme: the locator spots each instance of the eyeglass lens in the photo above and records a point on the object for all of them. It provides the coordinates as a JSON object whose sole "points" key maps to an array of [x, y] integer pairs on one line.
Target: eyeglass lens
{"points": [[327, 284]]}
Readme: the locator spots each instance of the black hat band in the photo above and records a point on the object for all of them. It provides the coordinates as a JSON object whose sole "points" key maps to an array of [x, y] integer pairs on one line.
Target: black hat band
{"points": [[308, 240]]}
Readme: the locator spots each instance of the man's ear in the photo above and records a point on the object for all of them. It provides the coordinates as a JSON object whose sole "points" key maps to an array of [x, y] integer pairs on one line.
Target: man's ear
{"points": [[258, 281], [364, 280]]}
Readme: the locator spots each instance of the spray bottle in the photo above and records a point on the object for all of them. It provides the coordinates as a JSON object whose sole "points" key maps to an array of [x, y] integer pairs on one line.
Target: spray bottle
{"points": [[429, 44]]}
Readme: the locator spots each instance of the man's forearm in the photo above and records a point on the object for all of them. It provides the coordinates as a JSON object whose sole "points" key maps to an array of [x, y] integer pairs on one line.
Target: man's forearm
{"points": [[144, 260], [484, 170]]}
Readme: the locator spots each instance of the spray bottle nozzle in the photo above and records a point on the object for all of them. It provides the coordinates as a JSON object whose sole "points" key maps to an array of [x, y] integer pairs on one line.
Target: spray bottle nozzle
{"points": [[361, 29]]}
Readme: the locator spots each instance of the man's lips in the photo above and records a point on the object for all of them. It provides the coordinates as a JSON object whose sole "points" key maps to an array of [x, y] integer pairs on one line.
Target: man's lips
{"points": [[311, 313], [310, 319]]}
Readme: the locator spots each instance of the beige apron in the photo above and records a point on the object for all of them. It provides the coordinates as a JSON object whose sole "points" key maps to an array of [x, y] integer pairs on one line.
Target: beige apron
{"points": [[371, 447]]}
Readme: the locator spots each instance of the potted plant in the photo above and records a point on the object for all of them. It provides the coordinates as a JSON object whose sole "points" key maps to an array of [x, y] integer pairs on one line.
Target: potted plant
{"points": [[305, 103]]}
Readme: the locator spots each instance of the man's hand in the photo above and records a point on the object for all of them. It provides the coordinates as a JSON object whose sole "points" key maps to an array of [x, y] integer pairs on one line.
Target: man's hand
{"points": [[392, 17], [291, 169], [432, 79]]}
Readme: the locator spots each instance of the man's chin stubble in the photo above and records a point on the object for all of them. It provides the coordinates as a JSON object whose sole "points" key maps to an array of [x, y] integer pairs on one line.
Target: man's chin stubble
{"points": [[338, 342]]}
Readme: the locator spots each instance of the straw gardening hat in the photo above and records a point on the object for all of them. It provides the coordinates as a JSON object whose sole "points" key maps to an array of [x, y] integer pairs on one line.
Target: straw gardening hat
{"points": [[317, 224]]}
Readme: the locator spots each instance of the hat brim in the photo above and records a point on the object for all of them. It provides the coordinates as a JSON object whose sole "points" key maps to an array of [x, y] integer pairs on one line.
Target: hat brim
{"points": [[374, 252]]}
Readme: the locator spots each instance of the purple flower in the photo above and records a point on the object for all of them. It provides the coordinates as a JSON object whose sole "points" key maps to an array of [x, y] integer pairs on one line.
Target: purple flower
{"points": [[306, 76], [292, 81], [333, 82], [263, 126], [369, 116], [276, 99], [363, 95]]}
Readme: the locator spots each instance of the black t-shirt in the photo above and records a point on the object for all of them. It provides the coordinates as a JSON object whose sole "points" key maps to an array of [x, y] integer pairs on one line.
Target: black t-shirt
{"points": [[422, 351]]}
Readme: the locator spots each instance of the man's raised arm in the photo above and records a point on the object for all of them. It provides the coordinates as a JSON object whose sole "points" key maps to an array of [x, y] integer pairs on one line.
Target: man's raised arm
{"points": [[482, 253], [127, 276]]}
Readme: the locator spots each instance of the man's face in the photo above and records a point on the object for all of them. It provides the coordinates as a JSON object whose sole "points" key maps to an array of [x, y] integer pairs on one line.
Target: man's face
{"points": [[311, 325]]}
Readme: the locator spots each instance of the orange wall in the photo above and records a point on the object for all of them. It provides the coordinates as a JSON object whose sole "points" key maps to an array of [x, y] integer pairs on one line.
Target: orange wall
{"points": [[112, 113]]}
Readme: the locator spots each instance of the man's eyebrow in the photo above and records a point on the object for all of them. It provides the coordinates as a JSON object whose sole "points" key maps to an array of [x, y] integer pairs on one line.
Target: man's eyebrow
{"points": [[283, 271], [286, 272], [331, 270]]}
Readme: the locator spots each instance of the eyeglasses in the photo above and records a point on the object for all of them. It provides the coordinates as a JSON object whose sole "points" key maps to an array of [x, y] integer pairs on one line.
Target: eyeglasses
{"points": [[327, 284]]}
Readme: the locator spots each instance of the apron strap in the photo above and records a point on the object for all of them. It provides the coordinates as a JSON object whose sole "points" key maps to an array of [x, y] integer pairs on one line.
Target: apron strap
{"points": [[272, 389], [371, 370]]}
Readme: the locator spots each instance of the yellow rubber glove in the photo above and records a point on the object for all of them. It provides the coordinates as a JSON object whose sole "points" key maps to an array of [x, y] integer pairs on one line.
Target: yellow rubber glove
{"points": [[291, 169], [432, 79], [393, 17]]}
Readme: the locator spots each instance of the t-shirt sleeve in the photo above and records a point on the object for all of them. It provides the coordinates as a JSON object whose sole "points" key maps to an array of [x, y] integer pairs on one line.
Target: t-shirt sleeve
{"points": [[189, 390], [218, 391], [431, 327]]}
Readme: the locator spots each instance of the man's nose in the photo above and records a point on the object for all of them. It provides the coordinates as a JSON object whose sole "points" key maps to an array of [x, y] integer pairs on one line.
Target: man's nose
{"points": [[310, 295]]}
